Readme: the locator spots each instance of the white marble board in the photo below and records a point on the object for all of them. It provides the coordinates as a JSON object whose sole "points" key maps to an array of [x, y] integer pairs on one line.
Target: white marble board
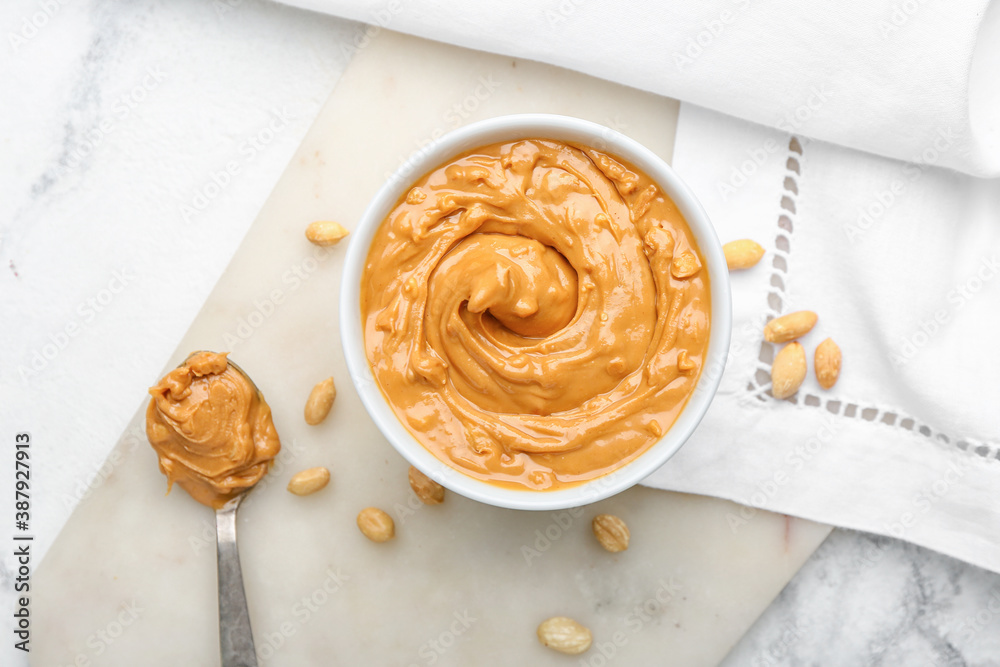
{"points": [[131, 578]]}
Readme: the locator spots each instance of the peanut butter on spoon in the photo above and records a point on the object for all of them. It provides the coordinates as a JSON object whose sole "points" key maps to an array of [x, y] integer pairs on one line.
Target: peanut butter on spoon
{"points": [[211, 429]]}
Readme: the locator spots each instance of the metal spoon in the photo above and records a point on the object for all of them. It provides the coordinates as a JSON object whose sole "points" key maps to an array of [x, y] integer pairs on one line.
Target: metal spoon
{"points": [[235, 635]]}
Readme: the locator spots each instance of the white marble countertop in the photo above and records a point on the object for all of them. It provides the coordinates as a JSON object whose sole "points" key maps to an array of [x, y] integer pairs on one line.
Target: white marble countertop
{"points": [[138, 142]]}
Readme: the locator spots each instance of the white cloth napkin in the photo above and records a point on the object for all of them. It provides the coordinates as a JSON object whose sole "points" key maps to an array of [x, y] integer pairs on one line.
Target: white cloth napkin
{"points": [[900, 259], [902, 264], [884, 76]]}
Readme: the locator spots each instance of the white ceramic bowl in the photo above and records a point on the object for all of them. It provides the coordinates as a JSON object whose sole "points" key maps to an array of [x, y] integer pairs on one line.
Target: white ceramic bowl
{"points": [[560, 128]]}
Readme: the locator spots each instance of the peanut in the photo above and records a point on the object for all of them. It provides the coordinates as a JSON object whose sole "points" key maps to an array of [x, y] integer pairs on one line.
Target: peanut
{"points": [[320, 401], [611, 532], [742, 254], [376, 525], [684, 363], [429, 491], [827, 363], [564, 635], [685, 265], [789, 327], [788, 370], [309, 481], [325, 232]]}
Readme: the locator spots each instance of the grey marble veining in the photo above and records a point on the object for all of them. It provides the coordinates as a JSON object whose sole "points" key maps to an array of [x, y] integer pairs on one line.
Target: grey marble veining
{"points": [[868, 600]]}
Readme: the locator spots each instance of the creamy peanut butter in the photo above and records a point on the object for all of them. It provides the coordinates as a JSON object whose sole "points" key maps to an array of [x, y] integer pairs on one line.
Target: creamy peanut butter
{"points": [[536, 313], [211, 429]]}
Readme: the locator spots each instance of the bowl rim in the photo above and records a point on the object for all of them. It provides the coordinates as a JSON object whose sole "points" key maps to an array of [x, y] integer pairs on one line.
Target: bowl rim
{"points": [[510, 128]]}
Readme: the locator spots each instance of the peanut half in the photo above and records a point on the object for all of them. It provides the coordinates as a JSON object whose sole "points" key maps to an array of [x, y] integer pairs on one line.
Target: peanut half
{"points": [[325, 232], [376, 525], [320, 401], [309, 481], [789, 327], [429, 491], [611, 532], [564, 635], [684, 363], [742, 254], [788, 370], [685, 265], [827, 363]]}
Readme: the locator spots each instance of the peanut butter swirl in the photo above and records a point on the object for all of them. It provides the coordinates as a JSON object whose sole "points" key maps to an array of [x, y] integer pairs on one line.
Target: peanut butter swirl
{"points": [[535, 312], [211, 429]]}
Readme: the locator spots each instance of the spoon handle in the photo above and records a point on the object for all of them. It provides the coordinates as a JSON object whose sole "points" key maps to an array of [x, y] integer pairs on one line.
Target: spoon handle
{"points": [[235, 636]]}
